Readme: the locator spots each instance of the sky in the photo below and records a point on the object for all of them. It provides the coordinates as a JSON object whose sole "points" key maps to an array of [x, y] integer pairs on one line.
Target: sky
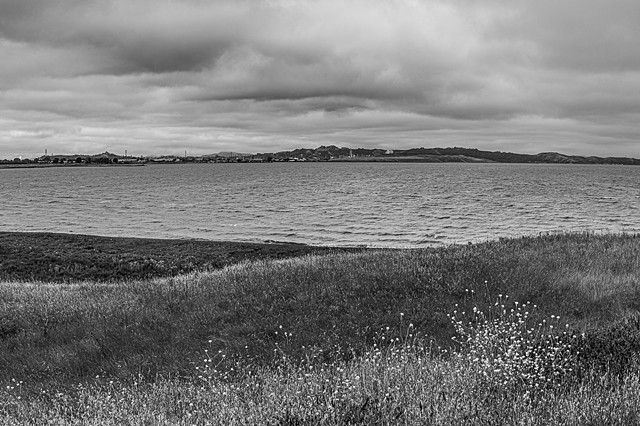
{"points": [[204, 76]]}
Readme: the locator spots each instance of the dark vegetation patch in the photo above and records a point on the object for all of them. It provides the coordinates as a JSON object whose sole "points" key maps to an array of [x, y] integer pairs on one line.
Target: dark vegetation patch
{"points": [[612, 349], [54, 257]]}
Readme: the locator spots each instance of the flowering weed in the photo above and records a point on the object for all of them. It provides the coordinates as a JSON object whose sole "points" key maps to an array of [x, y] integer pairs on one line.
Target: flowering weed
{"points": [[510, 350]]}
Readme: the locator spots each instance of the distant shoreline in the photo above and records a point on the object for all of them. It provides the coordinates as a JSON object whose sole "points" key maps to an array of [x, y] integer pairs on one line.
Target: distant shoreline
{"points": [[72, 165], [391, 160], [334, 153]]}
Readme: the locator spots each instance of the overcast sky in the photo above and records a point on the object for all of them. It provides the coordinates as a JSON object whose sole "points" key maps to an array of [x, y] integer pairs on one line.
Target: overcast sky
{"points": [[165, 76]]}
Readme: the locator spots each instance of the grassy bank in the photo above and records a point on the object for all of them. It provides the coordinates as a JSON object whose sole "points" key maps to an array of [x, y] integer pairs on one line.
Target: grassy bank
{"points": [[318, 325]]}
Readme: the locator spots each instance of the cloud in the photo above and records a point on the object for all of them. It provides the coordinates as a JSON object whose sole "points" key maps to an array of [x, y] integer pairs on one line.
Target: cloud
{"points": [[583, 36], [161, 74]]}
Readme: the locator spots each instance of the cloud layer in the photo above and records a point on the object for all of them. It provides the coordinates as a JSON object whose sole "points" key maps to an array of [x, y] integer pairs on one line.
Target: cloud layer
{"points": [[82, 76]]}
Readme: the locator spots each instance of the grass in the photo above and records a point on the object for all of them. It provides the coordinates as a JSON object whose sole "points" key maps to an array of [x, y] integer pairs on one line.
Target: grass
{"points": [[395, 385], [333, 338]]}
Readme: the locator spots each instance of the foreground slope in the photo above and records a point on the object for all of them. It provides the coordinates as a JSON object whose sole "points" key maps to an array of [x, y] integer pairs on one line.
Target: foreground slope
{"points": [[333, 303], [337, 338]]}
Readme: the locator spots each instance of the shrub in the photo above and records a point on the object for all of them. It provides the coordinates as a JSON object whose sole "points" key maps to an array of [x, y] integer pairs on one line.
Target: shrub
{"points": [[614, 349], [8, 326]]}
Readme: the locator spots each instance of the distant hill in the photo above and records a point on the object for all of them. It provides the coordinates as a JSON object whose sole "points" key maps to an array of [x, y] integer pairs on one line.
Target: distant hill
{"points": [[227, 154], [437, 155], [334, 153]]}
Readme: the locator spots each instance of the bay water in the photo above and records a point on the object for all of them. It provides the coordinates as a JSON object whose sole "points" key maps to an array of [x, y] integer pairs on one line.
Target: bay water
{"points": [[334, 204]]}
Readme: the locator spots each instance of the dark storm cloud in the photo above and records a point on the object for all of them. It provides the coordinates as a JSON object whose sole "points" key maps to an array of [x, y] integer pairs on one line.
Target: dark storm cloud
{"points": [[246, 75], [137, 36]]}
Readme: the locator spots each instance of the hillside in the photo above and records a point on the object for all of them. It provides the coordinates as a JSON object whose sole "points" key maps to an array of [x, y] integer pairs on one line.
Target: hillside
{"points": [[438, 155], [546, 331]]}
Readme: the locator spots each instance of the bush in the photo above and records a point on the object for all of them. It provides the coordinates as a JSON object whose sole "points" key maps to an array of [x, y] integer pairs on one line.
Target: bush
{"points": [[8, 327], [614, 349]]}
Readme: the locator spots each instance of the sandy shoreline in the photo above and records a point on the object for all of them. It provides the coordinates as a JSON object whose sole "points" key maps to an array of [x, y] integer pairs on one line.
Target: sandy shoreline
{"points": [[57, 257]]}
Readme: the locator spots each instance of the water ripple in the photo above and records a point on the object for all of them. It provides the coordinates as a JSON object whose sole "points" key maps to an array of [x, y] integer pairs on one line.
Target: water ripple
{"points": [[383, 205]]}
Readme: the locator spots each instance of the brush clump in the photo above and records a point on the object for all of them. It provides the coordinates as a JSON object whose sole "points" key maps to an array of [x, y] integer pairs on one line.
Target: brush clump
{"points": [[511, 349]]}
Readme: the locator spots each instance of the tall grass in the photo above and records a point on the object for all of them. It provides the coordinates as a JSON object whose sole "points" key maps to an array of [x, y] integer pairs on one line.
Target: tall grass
{"points": [[322, 314], [403, 383], [74, 331]]}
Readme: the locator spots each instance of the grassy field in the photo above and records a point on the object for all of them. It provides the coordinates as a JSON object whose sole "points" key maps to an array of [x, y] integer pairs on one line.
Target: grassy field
{"points": [[335, 337]]}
